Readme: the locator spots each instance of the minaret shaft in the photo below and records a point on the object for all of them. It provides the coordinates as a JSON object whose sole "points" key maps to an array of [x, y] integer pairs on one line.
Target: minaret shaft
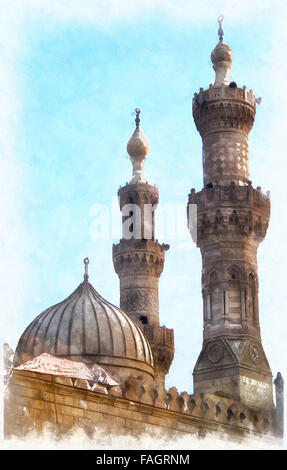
{"points": [[139, 258], [232, 219]]}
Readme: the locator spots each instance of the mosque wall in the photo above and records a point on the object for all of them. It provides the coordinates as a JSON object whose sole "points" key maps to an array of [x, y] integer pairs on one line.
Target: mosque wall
{"points": [[34, 401]]}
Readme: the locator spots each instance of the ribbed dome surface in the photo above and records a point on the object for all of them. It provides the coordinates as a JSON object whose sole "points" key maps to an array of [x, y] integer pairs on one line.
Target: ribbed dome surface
{"points": [[88, 328]]}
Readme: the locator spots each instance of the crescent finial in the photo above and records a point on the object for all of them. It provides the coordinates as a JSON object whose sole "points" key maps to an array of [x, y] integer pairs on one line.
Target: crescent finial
{"points": [[220, 29]]}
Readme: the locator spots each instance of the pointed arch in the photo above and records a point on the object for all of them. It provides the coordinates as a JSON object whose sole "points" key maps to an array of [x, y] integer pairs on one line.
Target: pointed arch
{"points": [[234, 273]]}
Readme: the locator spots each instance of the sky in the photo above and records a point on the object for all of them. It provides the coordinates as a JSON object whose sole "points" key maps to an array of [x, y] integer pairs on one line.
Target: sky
{"points": [[71, 74]]}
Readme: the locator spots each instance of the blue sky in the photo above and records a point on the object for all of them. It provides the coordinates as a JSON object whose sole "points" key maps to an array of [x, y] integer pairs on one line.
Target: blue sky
{"points": [[71, 78]]}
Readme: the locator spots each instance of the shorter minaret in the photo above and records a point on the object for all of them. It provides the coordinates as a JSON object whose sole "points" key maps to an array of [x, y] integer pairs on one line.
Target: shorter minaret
{"points": [[139, 258]]}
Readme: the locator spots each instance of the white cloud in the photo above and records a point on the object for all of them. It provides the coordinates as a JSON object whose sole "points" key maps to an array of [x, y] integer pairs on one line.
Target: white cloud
{"points": [[104, 12]]}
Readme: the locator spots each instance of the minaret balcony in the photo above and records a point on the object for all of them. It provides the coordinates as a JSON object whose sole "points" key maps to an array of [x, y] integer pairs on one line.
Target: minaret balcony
{"points": [[224, 107], [229, 212]]}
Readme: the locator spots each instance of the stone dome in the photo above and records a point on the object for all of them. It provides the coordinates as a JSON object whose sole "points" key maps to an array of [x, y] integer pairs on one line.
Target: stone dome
{"points": [[85, 327]]}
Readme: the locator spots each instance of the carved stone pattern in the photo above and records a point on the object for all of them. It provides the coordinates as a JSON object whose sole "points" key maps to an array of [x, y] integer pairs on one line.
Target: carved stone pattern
{"points": [[214, 93], [159, 334], [231, 195], [163, 357], [214, 223], [225, 159], [138, 194], [139, 300], [223, 107], [138, 263], [215, 277], [255, 353], [215, 352], [161, 340], [223, 115], [139, 257], [219, 212]]}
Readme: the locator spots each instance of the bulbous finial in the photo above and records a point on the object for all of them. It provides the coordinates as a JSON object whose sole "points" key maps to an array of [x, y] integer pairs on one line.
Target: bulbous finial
{"points": [[86, 274], [137, 149], [221, 57]]}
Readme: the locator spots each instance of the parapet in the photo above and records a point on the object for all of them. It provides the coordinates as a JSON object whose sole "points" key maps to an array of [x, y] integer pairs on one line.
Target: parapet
{"points": [[34, 400], [139, 256], [238, 210], [224, 107]]}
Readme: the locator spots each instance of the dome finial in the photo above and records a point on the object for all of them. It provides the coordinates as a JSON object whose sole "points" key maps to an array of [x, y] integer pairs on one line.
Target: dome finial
{"points": [[221, 57], [137, 149], [86, 263], [220, 30], [137, 119]]}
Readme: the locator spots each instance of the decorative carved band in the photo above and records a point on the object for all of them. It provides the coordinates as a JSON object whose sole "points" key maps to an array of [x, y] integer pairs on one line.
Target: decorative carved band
{"points": [[223, 108], [140, 193], [139, 300], [225, 195], [225, 158], [234, 210], [139, 257]]}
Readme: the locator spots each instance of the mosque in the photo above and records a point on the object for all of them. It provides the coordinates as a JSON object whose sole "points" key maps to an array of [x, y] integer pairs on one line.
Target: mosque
{"points": [[87, 363]]}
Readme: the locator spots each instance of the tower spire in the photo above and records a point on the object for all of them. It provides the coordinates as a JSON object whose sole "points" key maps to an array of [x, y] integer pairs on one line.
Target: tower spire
{"points": [[137, 148], [220, 29], [221, 57], [137, 119]]}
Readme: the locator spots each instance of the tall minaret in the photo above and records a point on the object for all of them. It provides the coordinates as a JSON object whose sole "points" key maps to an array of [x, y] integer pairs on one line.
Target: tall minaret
{"points": [[139, 258], [232, 219]]}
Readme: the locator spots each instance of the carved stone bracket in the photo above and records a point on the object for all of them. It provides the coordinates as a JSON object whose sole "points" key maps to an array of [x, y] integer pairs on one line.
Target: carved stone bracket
{"points": [[139, 257], [161, 340], [235, 210]]}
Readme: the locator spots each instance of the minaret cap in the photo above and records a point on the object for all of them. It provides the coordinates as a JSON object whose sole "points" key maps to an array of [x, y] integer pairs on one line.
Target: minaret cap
{"points": [[137, 149], [221, 57]]}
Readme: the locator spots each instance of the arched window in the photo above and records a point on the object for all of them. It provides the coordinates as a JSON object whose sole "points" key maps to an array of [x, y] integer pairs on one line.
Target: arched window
{"points": [[213, 276], [233, 219], [234, 273]]}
